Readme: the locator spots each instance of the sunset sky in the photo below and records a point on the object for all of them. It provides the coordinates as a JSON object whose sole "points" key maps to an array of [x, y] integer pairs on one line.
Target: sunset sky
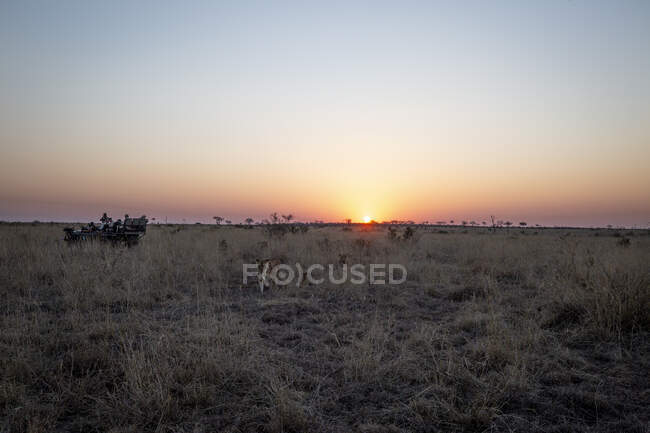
{"points": [[533, 111]]}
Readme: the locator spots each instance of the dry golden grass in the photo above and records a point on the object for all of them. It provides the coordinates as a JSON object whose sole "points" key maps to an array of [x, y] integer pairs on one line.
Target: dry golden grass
{"points": [[513, 331]]}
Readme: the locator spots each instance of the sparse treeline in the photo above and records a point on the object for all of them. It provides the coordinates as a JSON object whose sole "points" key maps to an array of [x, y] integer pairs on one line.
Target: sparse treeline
{"points": [[492, 224]]}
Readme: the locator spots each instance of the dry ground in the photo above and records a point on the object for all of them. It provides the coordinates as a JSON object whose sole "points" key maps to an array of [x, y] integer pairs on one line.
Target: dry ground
{"points": [[514, 331]]}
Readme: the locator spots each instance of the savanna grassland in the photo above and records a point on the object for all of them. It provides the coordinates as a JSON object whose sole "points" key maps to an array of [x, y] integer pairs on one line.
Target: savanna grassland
{"points": [[518, 330]]}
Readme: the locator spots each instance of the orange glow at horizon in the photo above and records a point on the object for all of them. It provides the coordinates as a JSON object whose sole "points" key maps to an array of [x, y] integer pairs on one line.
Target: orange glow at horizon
{"points": [[578, 192]]}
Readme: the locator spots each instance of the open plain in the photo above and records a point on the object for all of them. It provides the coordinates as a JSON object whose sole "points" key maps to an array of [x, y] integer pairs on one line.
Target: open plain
{"points": [[515, 330]]}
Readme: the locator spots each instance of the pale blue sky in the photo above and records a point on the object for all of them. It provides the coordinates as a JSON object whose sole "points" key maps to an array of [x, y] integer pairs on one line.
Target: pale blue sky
{"points": [[415, 95]]}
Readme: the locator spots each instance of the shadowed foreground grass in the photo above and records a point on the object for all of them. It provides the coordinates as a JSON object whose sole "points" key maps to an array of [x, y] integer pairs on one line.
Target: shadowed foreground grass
{"points": [[513, 331]]}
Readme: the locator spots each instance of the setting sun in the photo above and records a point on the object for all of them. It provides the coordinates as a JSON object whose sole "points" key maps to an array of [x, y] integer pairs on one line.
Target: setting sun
{"points": [[366, 219]]}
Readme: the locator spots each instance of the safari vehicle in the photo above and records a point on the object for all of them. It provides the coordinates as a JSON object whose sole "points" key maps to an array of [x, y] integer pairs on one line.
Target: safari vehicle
{"points": [[129, 231]]}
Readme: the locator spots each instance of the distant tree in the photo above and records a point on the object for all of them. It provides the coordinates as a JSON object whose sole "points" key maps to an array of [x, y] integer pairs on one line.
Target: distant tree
{"points": [[464, 223], [472, 223], [287, 218], [228, 222], [217, 219], [451, 222], [523, 223], [484, 223], [249, 221], [274, 218], [508, 223]]}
